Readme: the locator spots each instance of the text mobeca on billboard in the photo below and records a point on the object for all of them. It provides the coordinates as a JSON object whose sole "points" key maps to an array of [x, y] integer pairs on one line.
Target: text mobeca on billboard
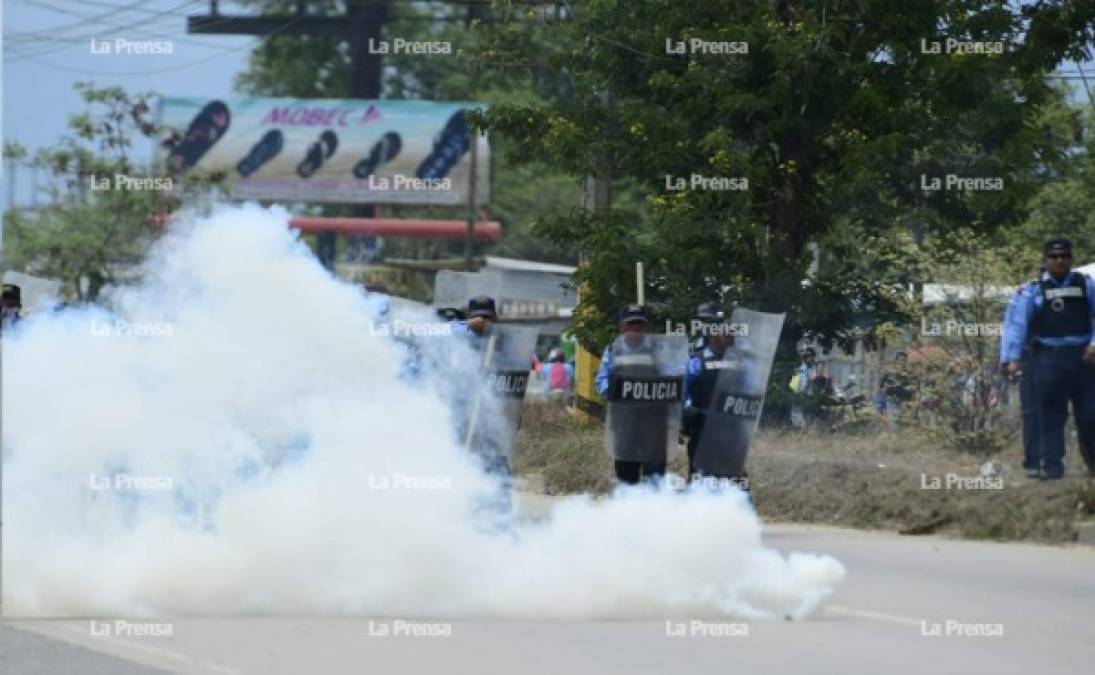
{"points": [[330, 150], [320, 116]]}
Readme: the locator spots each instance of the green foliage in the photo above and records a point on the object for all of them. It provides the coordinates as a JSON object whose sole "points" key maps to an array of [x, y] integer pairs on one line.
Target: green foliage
{"points": [[960, 387], [14, 152], [834, 116], [1065, 204], [305, 66], [90, 238]]}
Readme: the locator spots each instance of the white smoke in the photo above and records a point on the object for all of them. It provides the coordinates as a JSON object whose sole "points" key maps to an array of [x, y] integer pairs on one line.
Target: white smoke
{"points": [[236, 438]]}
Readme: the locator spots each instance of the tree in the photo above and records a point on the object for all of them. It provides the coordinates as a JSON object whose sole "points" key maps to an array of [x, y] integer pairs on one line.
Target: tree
{"points": [[98, 226], [833, 112], [961, 393], [1065, 204]]}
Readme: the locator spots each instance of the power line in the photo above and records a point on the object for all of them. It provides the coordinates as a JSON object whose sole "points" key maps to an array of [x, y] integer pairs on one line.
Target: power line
{"points": [[95, 19], [32, 41], [23, 40], [158, 71], [117, 9], [69, 41], [111, 5], [88, 36], [173, 13], [30, 38]]}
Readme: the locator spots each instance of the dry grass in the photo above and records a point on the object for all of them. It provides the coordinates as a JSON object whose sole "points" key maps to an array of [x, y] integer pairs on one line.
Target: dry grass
{"points": [[564, 449], [876, 481], [870, 479]]}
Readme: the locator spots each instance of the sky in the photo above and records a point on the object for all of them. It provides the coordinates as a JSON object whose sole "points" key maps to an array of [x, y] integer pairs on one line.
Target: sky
{"points": [[47, 48]]}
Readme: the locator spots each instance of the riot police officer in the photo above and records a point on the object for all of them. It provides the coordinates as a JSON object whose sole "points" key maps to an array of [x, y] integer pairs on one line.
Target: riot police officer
{"points": [[641, 378], [725, 388], [481, 315], [1056, 314], [490, 400], [704, 366]]}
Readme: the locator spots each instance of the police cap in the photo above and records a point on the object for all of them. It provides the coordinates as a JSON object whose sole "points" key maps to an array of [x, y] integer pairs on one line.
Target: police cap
{"points": [[482, 306], [630, 313], [1058, 247], [711, 312]]}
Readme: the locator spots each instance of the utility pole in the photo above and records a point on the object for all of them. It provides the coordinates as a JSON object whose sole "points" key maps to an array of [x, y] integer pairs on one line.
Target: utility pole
{"points": [[596, 196], [597, 187], [363, 21], [366, 23], [473, 204]]}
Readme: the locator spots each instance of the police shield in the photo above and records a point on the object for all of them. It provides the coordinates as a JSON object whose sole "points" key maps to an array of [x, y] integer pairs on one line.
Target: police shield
{"points": [[643, 401], [735, 406], [506, 353]]}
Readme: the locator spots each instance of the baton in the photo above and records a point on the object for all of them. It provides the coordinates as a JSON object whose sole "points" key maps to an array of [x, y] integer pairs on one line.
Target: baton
{"points": [[473, 421]]}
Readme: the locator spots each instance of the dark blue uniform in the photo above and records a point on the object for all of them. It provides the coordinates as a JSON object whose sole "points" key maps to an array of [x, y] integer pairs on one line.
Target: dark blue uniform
{"points": [[1057, 318]]}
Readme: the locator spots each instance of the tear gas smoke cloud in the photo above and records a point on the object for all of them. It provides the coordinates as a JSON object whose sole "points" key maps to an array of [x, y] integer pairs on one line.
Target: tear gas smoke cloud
{"points": [[247, 459]]}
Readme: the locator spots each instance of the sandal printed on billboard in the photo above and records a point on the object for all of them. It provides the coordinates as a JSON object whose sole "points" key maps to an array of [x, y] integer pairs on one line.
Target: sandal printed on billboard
{"points": [[328, 150]]}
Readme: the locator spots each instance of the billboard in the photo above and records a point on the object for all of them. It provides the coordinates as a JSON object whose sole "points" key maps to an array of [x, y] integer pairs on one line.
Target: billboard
{"points": [[328, 150]]}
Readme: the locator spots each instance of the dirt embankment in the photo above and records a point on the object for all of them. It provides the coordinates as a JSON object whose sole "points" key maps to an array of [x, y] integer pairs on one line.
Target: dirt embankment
{"points": [[874, 479]]}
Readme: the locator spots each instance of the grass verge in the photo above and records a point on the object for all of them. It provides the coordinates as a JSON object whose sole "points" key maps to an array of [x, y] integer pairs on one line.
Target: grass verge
{"points": [[874, 479]]}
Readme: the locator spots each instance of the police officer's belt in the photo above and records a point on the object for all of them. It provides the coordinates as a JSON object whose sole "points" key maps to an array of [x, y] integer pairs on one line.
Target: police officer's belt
{"points": [[1042, 347]]}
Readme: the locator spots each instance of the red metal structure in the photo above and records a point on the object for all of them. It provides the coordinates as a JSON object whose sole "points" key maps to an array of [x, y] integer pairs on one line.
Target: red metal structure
{"points": [[488, 230], [484, 230]]}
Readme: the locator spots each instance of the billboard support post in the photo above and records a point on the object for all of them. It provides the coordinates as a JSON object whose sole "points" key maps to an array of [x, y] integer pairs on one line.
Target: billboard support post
{"points": [[360, 24], [472, 215]]}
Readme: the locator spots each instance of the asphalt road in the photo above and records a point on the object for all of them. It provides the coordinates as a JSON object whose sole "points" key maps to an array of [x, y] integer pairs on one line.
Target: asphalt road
{"points": [[908, 605]]}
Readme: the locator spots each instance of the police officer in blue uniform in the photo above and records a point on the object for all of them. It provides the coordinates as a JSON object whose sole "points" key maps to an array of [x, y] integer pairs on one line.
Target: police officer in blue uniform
{"points": [[1056, 314], [704, 366], [475, 328], [720, 370], [633, 324], [480, 315]]}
